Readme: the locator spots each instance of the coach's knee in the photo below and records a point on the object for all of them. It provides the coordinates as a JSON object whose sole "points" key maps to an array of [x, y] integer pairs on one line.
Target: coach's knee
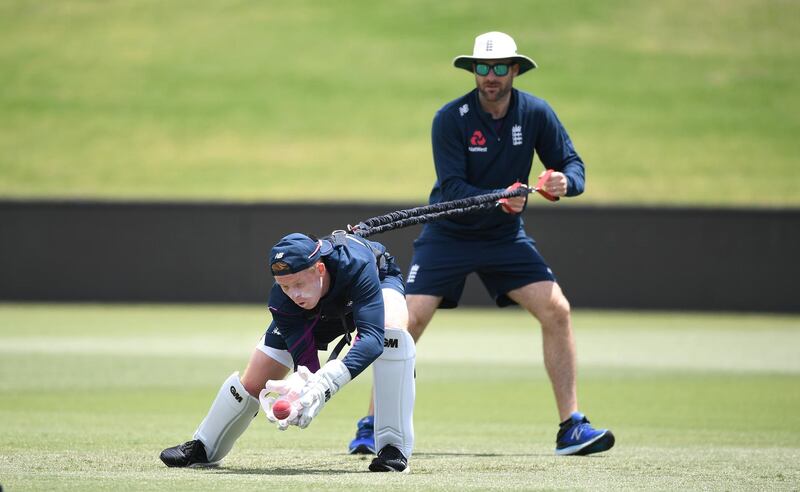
{"points": [[556, 311], [415, 326], [420, 313]]}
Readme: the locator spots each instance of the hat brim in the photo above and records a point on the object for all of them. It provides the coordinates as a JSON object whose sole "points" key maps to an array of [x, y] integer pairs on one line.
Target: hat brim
{"points": [[465, 62], [326, 248]]}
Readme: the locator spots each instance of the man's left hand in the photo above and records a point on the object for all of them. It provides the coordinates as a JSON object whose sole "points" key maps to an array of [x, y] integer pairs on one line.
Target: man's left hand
{"points": [[556, 184], [319, 389], [516, 204]]}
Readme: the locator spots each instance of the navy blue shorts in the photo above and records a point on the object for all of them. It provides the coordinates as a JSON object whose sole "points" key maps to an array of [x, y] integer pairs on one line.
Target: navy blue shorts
{"points": [[329, 329], [441, 264]]}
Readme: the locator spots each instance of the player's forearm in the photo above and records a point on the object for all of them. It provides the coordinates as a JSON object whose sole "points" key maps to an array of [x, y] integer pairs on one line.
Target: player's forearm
{"points": [[367, 347], [576, 177]]}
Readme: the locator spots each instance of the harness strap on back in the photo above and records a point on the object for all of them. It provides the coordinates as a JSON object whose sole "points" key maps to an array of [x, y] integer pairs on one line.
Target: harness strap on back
{"points": [[345, 340], [339, 238]]}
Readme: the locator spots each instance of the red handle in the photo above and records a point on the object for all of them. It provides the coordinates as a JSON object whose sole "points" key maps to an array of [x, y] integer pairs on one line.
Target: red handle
{"points": [[540, 185]]}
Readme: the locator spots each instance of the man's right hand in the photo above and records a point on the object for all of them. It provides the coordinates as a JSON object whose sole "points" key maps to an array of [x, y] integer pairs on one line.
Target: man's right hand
{"points": [[513, 205], [319, 389], [290, 389]]}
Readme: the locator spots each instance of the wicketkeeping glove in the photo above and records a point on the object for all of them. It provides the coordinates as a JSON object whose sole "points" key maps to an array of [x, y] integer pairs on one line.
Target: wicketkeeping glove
{"points": [[291, 389], [319, 389]]}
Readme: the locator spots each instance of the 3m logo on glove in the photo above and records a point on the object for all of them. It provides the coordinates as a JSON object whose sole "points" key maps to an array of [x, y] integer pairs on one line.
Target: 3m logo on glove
{"points": [[236, 394], [390, 343]]}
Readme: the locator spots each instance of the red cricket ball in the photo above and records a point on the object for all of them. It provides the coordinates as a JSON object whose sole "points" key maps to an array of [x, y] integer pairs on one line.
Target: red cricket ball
{"points": [[281, 409]]}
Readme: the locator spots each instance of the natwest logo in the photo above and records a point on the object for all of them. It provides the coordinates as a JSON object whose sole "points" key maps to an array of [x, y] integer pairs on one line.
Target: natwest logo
{"points": [[477, 138]]}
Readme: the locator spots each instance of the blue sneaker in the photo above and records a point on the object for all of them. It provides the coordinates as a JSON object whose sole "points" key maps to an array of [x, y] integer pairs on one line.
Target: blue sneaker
{"points": [[364, 442], [577, 437]]}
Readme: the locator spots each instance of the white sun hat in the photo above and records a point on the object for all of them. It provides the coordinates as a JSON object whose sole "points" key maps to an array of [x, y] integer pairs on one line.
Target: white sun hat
{"points": [[494, 46]]}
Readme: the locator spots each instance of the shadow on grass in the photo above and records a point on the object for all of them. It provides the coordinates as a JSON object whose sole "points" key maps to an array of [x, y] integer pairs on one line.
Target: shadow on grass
{"points": [[287, 471], [434, 455], [283, 471], [480, 455]]}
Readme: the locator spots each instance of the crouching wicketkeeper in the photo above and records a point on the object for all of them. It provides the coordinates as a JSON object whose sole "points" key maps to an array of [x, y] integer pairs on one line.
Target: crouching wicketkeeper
{"points": [[323, 289]]}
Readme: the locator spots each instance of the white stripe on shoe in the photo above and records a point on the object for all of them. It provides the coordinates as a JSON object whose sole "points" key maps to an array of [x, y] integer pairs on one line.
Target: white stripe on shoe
{"points": [[577, 447]]}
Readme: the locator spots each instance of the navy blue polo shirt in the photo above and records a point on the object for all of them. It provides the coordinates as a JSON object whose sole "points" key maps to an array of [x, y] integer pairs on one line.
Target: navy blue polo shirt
{"points": [[475, 155], [355, 291]]}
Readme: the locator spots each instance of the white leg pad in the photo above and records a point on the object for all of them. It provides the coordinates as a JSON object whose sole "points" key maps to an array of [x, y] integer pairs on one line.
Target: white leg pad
{"points": [[394, 392], [229, 416]]}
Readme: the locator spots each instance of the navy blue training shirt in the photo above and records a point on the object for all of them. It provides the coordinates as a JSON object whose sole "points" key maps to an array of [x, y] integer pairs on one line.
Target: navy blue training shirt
{"points": [[472, 157], [355, 289]]}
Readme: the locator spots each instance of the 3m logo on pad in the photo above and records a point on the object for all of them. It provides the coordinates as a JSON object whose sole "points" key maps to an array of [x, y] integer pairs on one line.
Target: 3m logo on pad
{"points": [[236, 394], [478, 141], [391, 343]]}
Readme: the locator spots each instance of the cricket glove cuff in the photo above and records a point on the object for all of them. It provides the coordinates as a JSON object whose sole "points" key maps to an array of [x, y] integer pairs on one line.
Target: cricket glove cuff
{"points": [[319, 389]]}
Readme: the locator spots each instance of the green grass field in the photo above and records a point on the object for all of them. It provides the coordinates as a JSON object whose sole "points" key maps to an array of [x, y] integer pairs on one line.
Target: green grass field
{"points": [[89, 395], [671, 102]]}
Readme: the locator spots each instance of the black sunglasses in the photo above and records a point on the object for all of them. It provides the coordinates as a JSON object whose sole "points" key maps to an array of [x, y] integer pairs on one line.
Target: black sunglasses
{"points": [[499, 69]]}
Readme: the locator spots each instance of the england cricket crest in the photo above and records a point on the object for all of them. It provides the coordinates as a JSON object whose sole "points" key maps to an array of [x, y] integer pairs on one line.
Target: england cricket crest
{"points": [[516, 135]]}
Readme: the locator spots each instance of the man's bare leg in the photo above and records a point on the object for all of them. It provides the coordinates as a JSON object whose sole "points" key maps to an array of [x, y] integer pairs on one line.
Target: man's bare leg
{"points": [[260, 369], [421, 309], [546, 302]]}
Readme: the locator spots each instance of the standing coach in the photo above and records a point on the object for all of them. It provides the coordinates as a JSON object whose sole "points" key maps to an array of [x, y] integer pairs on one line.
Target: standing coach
{"points": [[485, 142]]}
